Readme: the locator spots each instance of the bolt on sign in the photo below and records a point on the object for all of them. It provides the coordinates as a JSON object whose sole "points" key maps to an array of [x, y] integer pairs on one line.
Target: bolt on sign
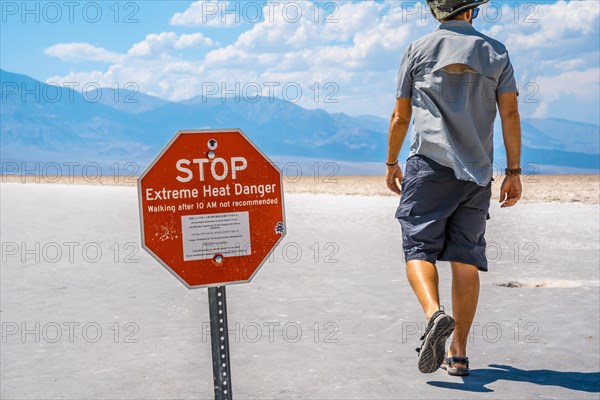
{"points": [[211, 207]]}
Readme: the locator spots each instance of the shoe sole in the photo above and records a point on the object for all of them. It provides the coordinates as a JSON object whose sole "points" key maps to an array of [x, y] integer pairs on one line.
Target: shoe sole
{"points": [[433, 349]]}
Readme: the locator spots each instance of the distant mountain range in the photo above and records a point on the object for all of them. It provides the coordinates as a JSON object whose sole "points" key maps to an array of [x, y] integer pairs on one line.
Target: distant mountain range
{"points": [[42, 123]]}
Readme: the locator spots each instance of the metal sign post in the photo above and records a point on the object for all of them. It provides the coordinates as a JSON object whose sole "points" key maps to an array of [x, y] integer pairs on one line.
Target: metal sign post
{"points": [[219, 336], [211, 212]]}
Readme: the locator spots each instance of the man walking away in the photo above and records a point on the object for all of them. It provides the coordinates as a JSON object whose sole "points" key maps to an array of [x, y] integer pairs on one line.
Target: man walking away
{"points": [[454, 78]]}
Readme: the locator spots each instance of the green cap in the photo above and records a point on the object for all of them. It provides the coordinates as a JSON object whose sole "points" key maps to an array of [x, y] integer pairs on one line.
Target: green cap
{"points": [[444, 9]]}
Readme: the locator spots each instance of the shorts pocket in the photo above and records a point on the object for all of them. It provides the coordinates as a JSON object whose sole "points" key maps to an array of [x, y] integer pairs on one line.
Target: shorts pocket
{"points": [[403, 210]]}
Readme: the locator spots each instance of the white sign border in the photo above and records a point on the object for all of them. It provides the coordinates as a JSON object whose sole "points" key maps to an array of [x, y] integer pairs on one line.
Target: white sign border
{"points": [[141, 210]]}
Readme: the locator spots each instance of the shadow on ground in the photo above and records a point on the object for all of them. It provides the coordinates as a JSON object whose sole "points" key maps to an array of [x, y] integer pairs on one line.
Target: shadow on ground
{"points": [[580, 381]]}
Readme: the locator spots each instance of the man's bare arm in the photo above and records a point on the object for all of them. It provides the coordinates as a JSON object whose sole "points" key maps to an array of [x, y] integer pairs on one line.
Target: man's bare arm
{"points": [[508, 107], [398, 128], [511, 128]]}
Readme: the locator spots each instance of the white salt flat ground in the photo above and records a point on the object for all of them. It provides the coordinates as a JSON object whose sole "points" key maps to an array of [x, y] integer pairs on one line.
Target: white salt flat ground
{"points": [[350, 299]]}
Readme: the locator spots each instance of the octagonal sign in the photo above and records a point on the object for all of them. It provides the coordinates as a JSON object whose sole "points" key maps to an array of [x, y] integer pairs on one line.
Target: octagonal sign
{"points": [[211, 207]]}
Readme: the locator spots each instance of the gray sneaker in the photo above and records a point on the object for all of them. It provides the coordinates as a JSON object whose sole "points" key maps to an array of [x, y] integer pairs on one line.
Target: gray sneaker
{"points": [[433, 347]]}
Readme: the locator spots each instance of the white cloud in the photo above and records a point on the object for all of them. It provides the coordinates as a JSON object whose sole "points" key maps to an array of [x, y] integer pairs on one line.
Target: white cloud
{"points": [[357, 50], [547, 37], [163, 42], [359, 54], [78, 52], [149, 65], [547, 26], [211, 13], [153, 43], [364, 36], [352, 18], [565, 65], [352, 62], [582, 85], [164, 77], [193, 40]]}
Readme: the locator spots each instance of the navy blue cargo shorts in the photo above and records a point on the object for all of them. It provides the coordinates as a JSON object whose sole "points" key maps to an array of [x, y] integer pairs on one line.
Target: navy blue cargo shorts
{"points": [[442, 217]]}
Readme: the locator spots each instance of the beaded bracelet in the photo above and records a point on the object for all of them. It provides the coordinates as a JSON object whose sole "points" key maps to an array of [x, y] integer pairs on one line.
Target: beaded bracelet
{"points": [[512, 171]]}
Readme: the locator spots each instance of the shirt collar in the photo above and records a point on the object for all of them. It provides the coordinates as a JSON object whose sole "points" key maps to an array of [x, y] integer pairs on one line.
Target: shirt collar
{"points": [[453, 24]]}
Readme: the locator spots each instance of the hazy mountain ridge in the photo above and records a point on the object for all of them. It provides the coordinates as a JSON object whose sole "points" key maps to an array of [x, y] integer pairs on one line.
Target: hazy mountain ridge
{"points": [[68, 127]]}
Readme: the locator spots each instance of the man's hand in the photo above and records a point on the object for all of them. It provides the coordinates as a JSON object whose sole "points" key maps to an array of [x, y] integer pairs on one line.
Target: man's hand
{"points": [[393, 179], [510, 191]]}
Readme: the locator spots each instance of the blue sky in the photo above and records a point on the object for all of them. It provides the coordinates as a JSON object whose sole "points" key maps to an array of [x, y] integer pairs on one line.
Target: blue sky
{"points": [[342, 56]]}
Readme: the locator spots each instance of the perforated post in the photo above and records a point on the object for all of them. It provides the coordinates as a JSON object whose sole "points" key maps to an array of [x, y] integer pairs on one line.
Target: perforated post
{"points": [[217, 304]]}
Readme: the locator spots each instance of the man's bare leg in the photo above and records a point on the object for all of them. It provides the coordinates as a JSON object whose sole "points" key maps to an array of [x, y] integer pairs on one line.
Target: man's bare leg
{"points": [[423, 278], [465, 294]]}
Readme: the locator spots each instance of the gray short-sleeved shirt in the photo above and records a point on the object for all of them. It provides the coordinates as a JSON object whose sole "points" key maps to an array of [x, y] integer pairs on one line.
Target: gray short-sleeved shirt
{"points": [[453, 76]]}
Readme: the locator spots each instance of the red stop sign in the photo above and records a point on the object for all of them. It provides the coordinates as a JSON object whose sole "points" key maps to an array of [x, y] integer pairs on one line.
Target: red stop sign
{"points": [[211, 207]]}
